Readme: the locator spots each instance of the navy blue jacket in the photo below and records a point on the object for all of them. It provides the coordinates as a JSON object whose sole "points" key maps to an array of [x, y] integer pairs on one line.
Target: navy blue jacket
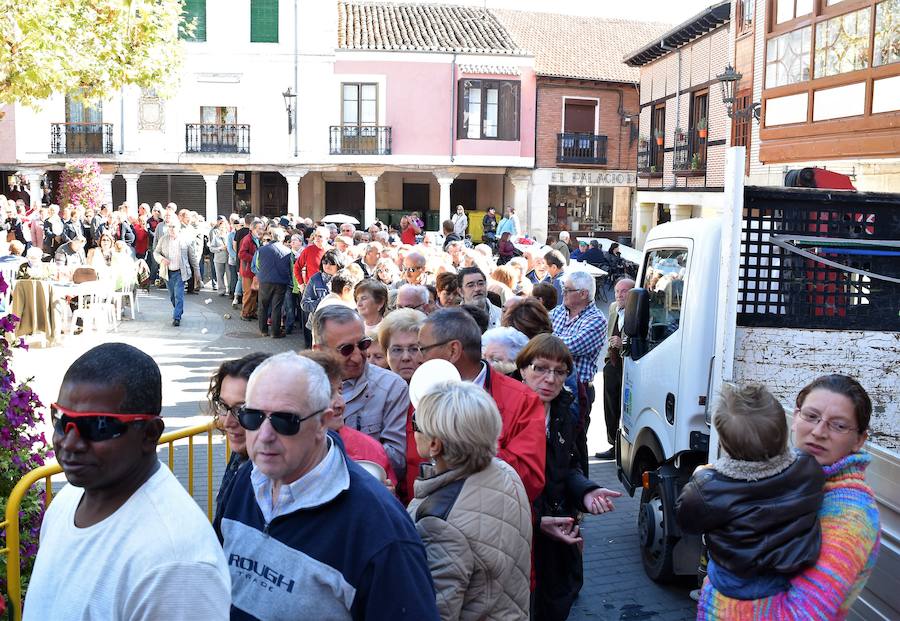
{"points": [[274, 264], [356, 556]]}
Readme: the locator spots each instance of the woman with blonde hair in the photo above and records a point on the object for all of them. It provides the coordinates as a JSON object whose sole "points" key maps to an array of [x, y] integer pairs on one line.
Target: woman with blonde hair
{"points": [[470, 508]]}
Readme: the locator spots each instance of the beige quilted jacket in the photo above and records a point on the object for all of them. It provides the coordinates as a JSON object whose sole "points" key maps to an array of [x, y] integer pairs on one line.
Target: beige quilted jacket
{"points": [[477, 533]]}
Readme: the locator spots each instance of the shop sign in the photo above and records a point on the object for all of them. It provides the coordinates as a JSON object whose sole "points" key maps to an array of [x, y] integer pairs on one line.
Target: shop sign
{"points": [[592, 177]]}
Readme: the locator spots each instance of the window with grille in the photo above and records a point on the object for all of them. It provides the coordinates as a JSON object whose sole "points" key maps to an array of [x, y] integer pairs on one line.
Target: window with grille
{"points": [[194, 13], [264, 21], [698, 129], [488, 109]]}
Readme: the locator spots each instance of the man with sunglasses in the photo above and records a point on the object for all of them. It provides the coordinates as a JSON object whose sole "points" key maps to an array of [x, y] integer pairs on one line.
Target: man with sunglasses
{"points": [[377, 399], [123, 539], [308, 533], [414, 268]]}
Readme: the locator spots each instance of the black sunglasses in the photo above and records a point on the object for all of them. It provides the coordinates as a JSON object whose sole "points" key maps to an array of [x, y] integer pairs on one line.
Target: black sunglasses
{"points": [[284, 423], [91, 427], [363, 345], [414, 425]]}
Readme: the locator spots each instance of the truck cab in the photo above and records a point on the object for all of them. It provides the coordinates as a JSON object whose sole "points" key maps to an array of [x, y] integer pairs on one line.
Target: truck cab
{"points": [[664, 429]]}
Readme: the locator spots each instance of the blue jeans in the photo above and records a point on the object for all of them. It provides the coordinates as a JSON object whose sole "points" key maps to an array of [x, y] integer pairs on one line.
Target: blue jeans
{"points": [[175, 285], [736, 587], [233, 280]]}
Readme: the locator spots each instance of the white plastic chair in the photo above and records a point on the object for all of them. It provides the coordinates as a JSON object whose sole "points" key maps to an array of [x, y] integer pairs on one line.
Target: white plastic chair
{"points": [[127, 291], [97, 308]]}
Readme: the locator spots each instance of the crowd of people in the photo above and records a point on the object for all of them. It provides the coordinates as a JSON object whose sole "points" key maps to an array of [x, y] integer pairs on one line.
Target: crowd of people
{"points": [[351, 493]]}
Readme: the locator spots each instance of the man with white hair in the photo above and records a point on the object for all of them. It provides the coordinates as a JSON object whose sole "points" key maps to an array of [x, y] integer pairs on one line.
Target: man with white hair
{"points": [[348, 230], [415, 297], [562, 245], [582, 327], [500, 346], [306, 531]]}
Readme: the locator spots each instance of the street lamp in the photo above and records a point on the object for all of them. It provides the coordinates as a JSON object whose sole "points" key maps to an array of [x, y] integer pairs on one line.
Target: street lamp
{"points": [[289, 99], [728, 79]]}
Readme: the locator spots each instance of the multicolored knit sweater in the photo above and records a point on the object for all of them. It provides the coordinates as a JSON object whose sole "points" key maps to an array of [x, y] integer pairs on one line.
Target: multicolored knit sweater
{"points": [[850, 540]]}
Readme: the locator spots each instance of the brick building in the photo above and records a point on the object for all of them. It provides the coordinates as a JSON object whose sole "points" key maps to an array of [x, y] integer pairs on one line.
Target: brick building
{"points": [[586, 127], [684, 127]]}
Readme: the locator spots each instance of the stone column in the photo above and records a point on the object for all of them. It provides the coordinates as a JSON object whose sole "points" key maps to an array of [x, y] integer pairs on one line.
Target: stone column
{"points": [[520, 202], [106, 181], [293, 178], [445, 180], [681, 212], [131, 193], [621, 211], [643, 222], [35, 193], [369, 210], [212, 197], [540, 211]]}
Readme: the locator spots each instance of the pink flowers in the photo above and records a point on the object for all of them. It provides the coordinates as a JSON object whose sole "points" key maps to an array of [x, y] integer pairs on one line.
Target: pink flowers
{"points": [[81, 184]]}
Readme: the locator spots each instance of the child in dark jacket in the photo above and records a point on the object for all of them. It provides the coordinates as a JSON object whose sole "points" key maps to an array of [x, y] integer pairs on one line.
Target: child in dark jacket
{"points": [[758, 504]]}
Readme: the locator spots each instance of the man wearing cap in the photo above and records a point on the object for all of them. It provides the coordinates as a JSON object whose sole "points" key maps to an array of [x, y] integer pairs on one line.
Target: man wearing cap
{"points": [[307, 532], [123, 540]]}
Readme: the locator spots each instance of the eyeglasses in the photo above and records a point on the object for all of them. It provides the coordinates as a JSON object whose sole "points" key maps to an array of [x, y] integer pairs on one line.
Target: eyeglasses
{"points": [[567, 290], [284, 423], [542, 371], [397, 351], [410, 270], [93, 426], [424, 349], [223, 410], [834, 425], [413, 306], [346, 350]]}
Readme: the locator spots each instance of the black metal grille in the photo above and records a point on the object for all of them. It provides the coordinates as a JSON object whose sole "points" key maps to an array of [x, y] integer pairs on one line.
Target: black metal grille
{"points": [[643, 162], [779, 287], [360, 140], [217, 138], [578, 148], [690, 152], [81, 138]]}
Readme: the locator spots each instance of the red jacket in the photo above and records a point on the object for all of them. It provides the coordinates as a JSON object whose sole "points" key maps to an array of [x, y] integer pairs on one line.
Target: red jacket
{"points": [[245, 254], [309, 258], [405, 491], [523, 437], [363, 447]]}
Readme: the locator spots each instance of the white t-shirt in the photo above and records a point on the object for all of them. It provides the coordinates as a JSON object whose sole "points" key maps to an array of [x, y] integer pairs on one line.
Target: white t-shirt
{"points": [[157, 557]]}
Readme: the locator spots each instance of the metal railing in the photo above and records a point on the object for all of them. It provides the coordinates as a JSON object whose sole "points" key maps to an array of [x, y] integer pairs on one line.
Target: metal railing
{"points": [[359, 140], [580, 148], [690, 152], [81, 138], [10, 524], [217, 138]]}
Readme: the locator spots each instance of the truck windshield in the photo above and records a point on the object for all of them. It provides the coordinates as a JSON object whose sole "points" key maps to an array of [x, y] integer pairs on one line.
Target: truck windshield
{"points": [[665, 271]]}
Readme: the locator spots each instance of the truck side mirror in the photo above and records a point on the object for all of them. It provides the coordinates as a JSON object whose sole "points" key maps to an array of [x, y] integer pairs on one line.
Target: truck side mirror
{"points": [[637, 314]]}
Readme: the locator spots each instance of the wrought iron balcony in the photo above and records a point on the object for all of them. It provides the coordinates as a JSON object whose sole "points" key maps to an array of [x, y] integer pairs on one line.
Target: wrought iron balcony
{"points": [[690, 154], [360, 140], [81, 138], [217, 138], [577, 148]]}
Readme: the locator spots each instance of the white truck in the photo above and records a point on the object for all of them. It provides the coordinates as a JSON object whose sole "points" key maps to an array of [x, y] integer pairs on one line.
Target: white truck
{"points": [[787, 285]]}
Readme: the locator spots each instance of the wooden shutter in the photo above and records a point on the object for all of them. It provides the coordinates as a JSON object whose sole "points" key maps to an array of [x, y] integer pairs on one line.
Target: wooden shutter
{"points": [[579, 117], [509, 111], [194, 11], [264, 21]]}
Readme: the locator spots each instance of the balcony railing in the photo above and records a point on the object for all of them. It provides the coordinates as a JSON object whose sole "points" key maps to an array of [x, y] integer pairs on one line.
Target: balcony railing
{"points": [[81, 138], [360, 140], [216, 138], [690, 154], [577, 148]]}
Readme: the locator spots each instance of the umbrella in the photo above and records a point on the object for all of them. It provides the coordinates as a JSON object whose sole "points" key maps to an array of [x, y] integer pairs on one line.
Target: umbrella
{"points": [[340, 218]]}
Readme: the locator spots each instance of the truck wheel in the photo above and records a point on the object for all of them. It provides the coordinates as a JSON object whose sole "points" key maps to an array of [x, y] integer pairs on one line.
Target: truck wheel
{"points": [[653, 532]]}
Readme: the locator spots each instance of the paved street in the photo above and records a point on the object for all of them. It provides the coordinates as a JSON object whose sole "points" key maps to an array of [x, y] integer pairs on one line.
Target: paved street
{"points": [[615, 584]]}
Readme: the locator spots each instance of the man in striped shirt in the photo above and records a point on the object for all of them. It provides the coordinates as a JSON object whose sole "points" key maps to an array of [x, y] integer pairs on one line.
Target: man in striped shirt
{"points": [[582, 327]]}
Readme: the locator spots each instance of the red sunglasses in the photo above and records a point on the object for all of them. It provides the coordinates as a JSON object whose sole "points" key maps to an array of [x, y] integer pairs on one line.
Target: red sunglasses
{"points": [[93, 426]]}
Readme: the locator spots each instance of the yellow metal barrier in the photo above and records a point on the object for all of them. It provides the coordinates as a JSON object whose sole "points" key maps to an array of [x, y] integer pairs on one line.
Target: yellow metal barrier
{"points": [[11, 522]]}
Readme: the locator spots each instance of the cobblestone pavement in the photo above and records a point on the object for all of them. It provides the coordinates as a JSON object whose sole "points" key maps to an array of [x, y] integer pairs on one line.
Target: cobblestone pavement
{"points": [[211, 331]]}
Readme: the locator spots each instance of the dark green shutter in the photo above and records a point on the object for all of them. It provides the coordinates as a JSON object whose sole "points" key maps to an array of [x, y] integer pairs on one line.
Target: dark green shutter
{"points": [[264, 21], [194, 11]]}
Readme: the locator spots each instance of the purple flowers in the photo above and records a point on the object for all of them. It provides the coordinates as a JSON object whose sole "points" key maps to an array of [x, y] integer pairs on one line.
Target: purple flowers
{"points": [[22, 447]]}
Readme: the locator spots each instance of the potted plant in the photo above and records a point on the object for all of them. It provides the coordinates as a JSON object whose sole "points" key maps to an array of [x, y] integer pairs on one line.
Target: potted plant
{"points": [[679, 134], [695, 161], [702, 129], [660, 136], [653, 168]]}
